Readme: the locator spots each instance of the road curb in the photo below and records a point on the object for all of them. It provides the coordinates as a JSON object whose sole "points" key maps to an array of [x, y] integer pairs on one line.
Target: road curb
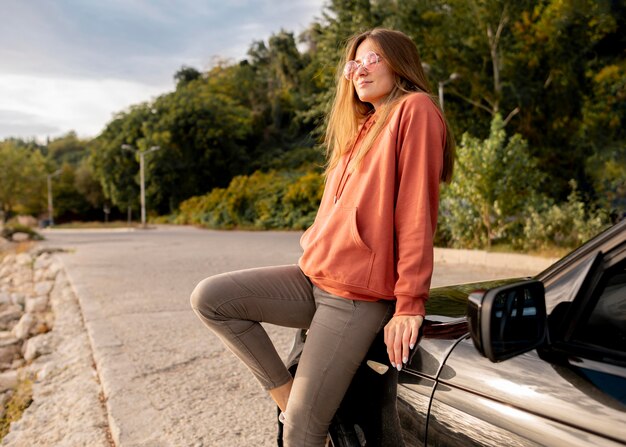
{"points": [[487, 259]]}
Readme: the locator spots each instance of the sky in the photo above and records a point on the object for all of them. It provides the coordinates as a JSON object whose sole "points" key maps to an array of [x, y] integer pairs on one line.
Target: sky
{"points": [[72, 64]]}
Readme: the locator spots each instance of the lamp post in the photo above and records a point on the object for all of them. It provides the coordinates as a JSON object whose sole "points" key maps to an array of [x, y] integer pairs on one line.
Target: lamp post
{"points": [[50, 207], [141, 176], [452, 77]]}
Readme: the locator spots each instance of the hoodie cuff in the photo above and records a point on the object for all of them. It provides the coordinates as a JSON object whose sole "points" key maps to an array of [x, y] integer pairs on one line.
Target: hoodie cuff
{"points": [[410, 305]]}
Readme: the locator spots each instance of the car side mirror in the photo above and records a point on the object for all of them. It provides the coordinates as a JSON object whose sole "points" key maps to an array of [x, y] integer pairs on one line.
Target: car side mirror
{"points": [[508, 320]]}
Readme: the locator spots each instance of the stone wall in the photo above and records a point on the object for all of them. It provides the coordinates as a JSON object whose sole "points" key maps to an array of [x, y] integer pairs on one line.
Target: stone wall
{"points": [[43, 339], [26, 318]]}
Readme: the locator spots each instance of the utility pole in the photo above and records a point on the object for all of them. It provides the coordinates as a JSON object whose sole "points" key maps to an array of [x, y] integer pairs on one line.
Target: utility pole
{"points": [[452, 77], [141, 177], [50, 207]]}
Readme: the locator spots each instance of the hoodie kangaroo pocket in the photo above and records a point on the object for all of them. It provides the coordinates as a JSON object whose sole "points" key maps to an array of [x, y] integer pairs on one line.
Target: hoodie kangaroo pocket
{"points": [[334, 249]]}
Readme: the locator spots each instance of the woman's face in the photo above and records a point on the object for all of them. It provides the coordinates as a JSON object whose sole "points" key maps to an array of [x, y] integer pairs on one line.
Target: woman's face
{"points": [[372, 86]]}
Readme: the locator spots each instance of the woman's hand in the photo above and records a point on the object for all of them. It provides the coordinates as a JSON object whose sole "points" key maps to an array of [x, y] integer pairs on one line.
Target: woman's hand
{"points": [[400, 336]]}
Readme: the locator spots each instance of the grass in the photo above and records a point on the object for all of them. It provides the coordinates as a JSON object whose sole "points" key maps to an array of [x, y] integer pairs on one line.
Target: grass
{"points": [[21, 400], [87, 225], [545, 252]]}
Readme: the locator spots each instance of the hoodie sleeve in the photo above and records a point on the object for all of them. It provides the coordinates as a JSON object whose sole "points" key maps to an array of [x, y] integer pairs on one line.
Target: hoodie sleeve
{"points": [[420, 144]]}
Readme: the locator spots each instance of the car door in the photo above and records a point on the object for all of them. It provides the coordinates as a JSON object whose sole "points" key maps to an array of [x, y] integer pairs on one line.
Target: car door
{"points": [[570, 392], [416, 382]]}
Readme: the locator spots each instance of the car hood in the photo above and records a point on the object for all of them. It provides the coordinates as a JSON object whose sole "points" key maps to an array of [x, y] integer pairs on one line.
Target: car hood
{"points": [[451, 301]]}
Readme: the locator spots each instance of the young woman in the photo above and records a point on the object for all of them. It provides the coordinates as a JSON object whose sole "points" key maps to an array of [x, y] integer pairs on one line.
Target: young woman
{"points": [[368, 257]]}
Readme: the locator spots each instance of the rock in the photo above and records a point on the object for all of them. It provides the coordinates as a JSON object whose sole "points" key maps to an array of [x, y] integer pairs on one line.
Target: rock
{"points": [[39, 275], [20, 237], [5, 298], [43, 288], [44, 322], [9, 316], [8, 259], [26, 220], [36, 304], [36, 346], [18, 299], [8, 380], [5, 271], [42, 261], [40, 370], [9, 351], [52, 271], [22, 329], [5, 335], [5, 397], [22, 278], [4, 400], [23, 259], [17, 363]]}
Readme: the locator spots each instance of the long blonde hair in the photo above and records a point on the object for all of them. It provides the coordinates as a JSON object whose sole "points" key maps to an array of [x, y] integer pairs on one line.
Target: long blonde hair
{"points": [[348, 112]]}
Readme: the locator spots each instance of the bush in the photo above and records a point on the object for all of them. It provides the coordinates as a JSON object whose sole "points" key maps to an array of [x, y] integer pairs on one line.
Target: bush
{"points": [[495, 181], [263, 200], [13, 227], [567, 225]]}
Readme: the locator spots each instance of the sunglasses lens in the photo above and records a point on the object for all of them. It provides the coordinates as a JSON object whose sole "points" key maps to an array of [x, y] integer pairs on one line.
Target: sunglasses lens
{"points": [[370, 60], [349, 69]]}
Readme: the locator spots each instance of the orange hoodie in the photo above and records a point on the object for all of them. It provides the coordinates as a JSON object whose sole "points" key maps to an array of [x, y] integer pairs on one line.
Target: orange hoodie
{"points": [[375, 240]]}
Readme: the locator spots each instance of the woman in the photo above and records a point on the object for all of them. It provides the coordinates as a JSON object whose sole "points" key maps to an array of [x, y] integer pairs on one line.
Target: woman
{"points": [[368, 257]]}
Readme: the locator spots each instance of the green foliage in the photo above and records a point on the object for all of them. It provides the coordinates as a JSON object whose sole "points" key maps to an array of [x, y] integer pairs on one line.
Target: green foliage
{"points": [[115, 169], [75, 193], [14, 227], [259, 201], [604, 135], [66, 149], [22, 179], [19, 402], [495, 182], [567, 225]]}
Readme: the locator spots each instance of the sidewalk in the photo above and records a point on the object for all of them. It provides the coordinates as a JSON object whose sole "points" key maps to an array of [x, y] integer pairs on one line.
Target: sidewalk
{"points": [[487, 259]]}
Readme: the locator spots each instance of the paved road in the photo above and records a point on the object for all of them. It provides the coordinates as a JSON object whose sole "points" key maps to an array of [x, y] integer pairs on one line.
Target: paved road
{"points": [[168, 380]]}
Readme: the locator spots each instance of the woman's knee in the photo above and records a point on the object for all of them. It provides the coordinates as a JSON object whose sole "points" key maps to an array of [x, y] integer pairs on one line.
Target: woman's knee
{"points": [[206, 297]]}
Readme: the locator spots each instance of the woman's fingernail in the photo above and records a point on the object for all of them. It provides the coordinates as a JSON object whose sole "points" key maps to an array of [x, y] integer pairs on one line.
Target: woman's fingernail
{"points": [[412, 345], [393, 364], [404, 360], [399, 367]]}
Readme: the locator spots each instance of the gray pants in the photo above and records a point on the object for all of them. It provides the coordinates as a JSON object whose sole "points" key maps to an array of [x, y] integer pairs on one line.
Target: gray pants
{"points": [[340, 334]]}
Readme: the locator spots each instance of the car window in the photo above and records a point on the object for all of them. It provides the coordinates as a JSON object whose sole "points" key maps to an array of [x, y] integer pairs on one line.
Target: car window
{"points": [[606, 326]]}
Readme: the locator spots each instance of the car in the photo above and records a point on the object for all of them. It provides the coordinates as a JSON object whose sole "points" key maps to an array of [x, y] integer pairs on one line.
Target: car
{"points": [[522, 362]]}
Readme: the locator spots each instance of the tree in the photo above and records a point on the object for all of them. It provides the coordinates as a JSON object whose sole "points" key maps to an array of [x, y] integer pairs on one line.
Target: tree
{"points": [[76, 194], [186, 74], [202, 136], [496, 182], [115, 169], [66, 149], [22, 179], [560, 47], [87, 185]]}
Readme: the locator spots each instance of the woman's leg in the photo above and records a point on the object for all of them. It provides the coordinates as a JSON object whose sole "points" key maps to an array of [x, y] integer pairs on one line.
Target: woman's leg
{"points": [[232, 305], [339, 336]]}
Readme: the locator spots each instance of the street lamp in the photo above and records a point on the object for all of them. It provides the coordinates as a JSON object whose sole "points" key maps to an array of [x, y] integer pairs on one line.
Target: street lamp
{"points": [[50, 207], [452, 77], [141, 176]]}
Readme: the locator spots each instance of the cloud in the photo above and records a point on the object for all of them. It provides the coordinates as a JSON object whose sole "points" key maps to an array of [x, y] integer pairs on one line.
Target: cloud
{"points": [[72, 63], [14, 122], [143, 40], [57, 105]]}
